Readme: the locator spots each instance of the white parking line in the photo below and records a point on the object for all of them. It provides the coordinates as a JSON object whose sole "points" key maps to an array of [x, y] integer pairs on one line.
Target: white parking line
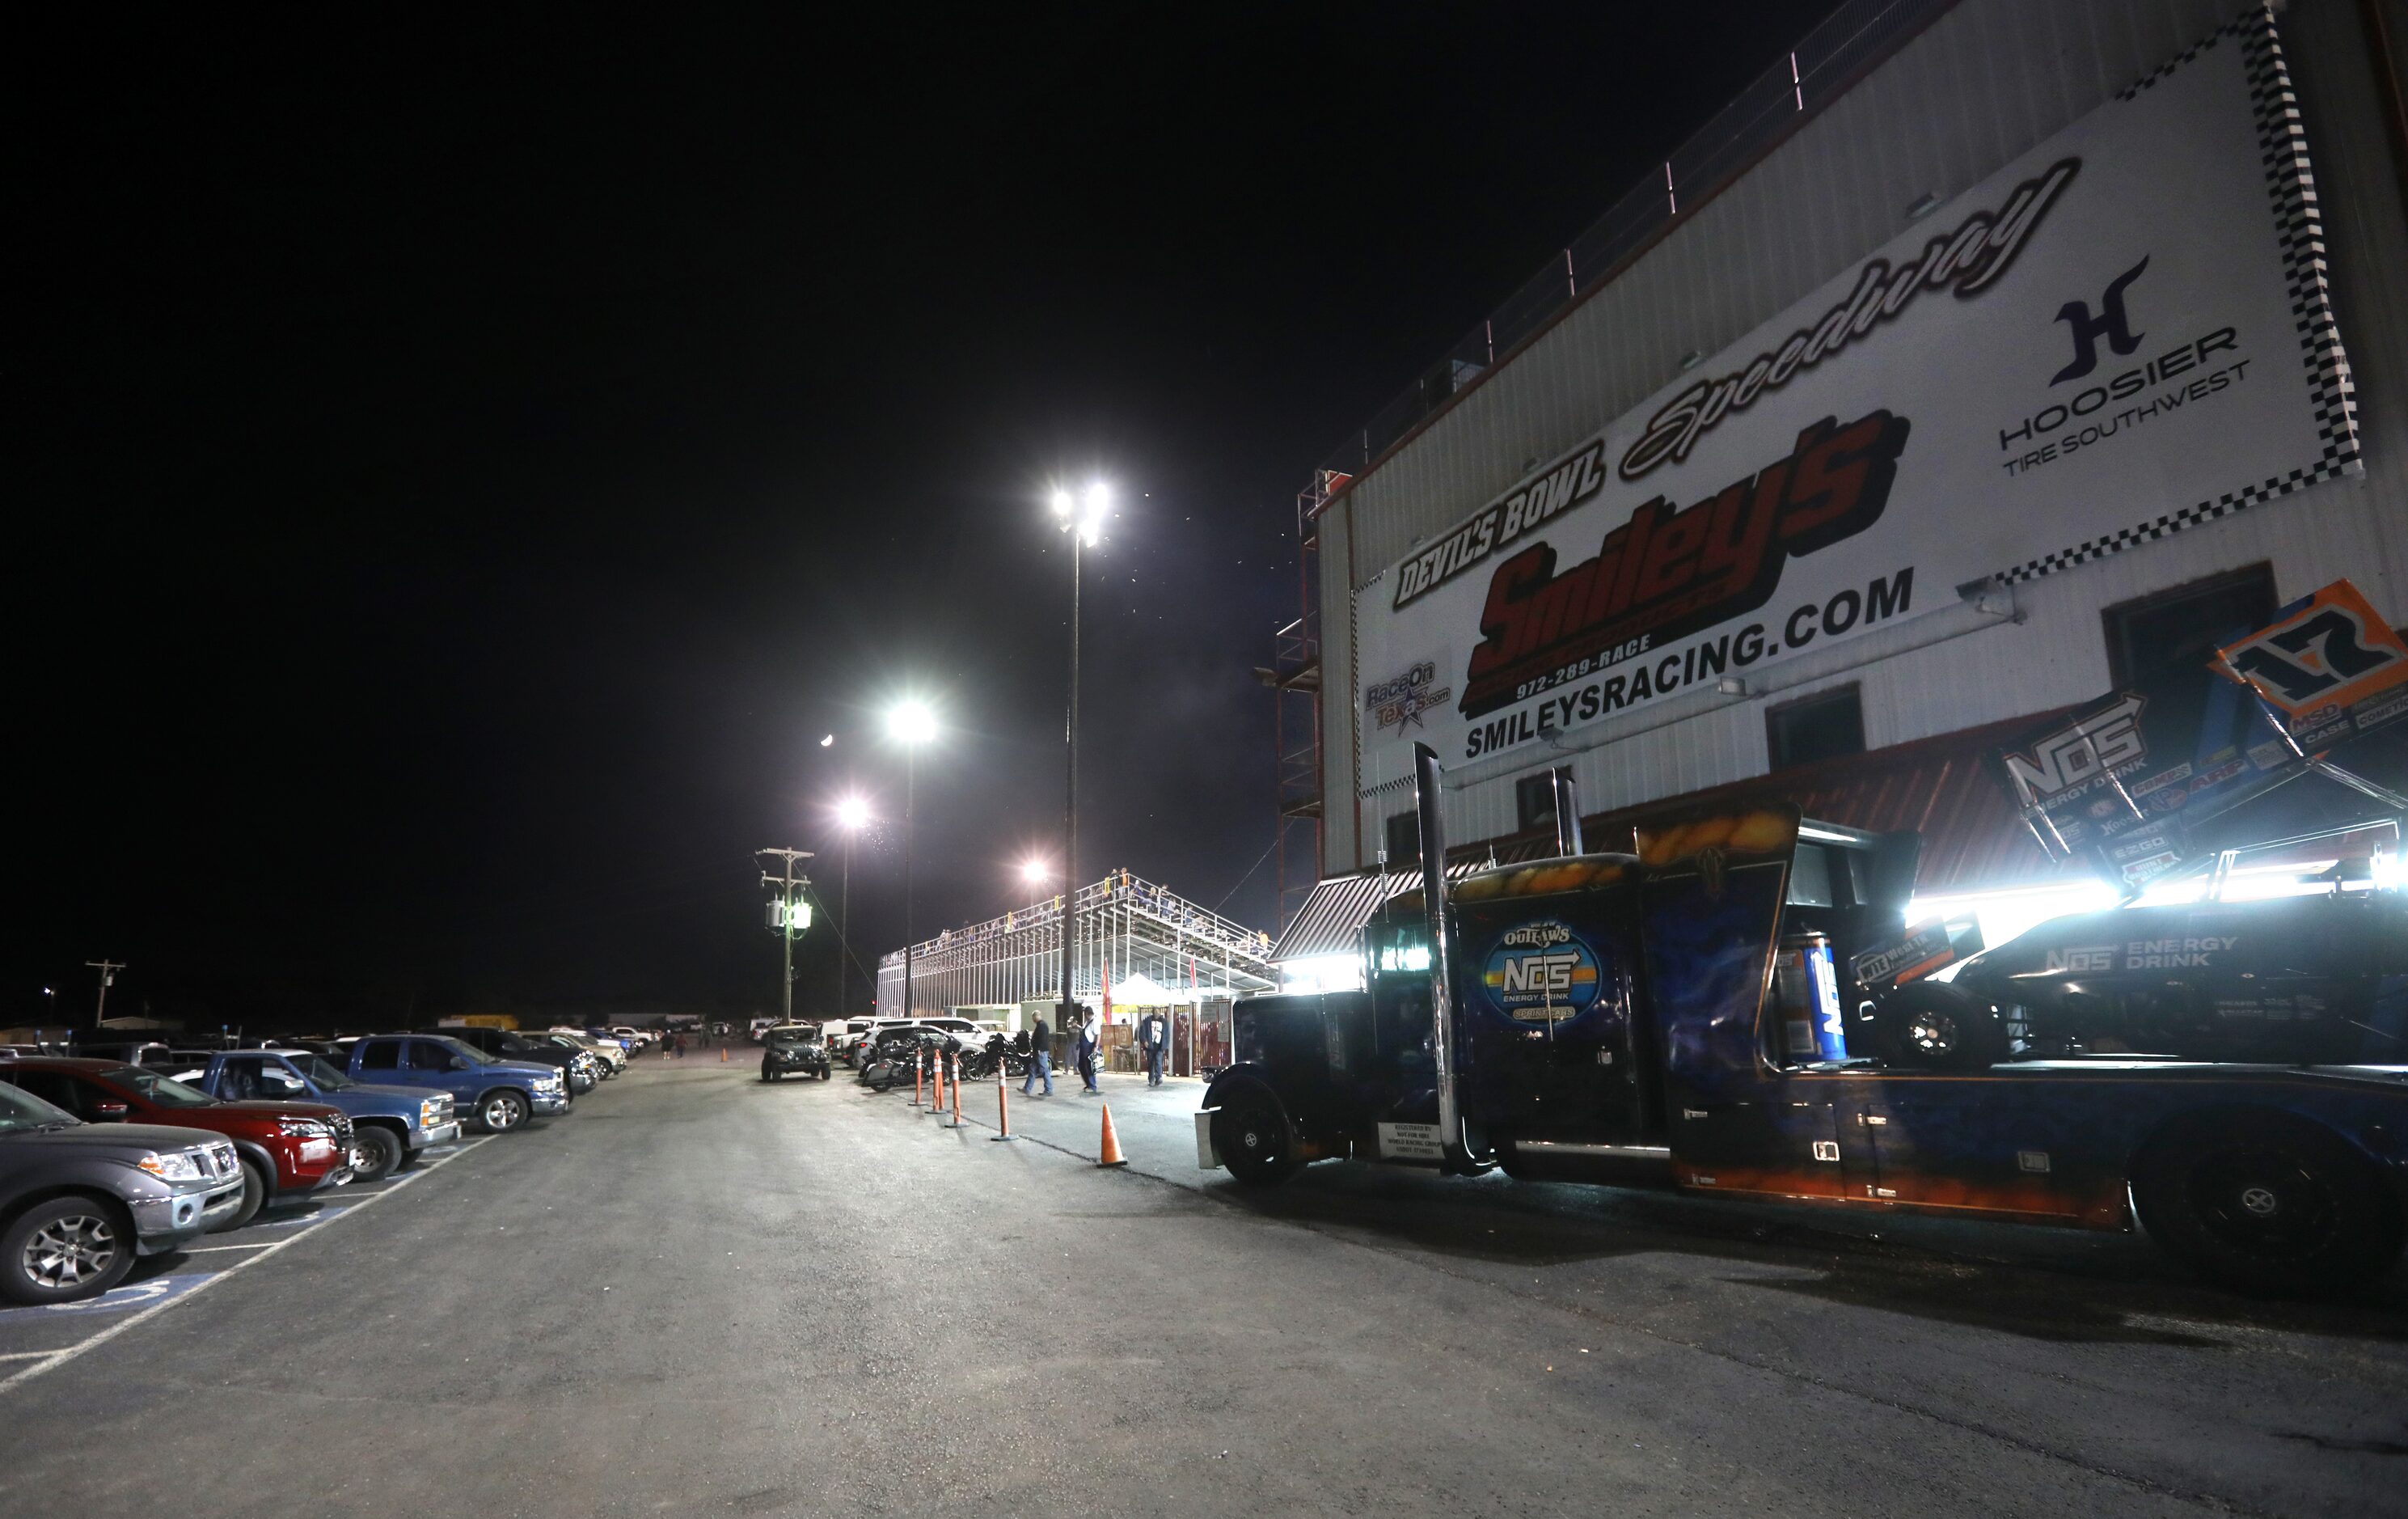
{"points": [[51, 1360], [204, 1250]]}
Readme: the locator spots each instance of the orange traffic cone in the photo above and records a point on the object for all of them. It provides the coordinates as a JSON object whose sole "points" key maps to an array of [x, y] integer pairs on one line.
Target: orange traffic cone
{"points": [[936, 1075], [722, 1054], [1112, 1155], [919, 1079], [1002, 1108], [957, 1094]]}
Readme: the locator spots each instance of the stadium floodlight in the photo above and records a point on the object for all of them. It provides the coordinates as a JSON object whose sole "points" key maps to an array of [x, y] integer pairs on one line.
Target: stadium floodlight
{"points": [[1035, 872], [1084, 518], [911, 721]]}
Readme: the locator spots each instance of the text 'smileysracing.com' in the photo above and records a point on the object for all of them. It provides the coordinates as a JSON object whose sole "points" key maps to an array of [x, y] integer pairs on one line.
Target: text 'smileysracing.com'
{"points": [[1669, 571]]}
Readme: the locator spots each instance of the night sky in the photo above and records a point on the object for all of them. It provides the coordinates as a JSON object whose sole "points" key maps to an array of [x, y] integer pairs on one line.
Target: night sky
{"points": [[462, 474]]}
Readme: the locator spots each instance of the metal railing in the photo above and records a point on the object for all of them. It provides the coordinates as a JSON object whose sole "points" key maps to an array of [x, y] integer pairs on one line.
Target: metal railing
{"points": [[1129, 930], [1810, 76]]}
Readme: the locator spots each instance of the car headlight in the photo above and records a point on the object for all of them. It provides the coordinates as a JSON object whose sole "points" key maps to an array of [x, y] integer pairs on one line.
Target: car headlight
{"points": [[306, 1128], [551, 1080], [180, 1166], [430, 1113]]}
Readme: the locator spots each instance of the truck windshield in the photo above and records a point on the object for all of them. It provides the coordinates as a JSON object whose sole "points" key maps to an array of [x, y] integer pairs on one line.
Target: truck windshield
{"points": [[153, 1088], [321, 1074], [22, 1111]]}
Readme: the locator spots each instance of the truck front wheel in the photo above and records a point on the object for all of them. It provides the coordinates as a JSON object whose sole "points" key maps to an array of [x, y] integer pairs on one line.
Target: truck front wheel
{"points": [[376, 1153], [502, 1112], [1255, 1140], [64, 1250], [2264, 1203]]}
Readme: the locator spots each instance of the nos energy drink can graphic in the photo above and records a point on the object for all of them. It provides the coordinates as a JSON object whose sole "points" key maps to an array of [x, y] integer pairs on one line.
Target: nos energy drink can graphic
{"points": [[1806, 983]]}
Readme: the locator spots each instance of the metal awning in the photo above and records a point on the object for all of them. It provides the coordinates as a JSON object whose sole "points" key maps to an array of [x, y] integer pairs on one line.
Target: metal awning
{"points": [[1334, 915]]}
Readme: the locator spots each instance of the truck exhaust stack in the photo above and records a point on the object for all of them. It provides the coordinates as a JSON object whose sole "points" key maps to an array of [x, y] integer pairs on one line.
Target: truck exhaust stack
{"points": [[1567, 824], [1461, 1155]]}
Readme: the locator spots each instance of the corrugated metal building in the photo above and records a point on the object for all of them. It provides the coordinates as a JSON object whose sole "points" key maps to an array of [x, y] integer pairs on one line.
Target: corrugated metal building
{"points": [[1896, 109]]}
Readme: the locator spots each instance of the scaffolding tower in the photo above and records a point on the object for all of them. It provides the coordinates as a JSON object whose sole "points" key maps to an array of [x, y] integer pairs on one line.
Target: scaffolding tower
{"points": [[1159, 948], [1295, 681]]}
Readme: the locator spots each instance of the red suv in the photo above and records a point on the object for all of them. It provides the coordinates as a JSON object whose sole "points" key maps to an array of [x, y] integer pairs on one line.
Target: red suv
{"points": [[286, 1148]]}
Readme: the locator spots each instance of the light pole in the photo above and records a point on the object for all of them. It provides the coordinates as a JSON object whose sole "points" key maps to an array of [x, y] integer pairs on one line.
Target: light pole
{"points": [[910, 724], [1084, 523], [850, 814]]}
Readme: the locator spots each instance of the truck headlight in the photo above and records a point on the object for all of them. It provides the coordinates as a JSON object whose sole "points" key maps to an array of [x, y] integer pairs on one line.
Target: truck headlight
{"points": [[430, 1113], [306, 1128], [180, 1166]]}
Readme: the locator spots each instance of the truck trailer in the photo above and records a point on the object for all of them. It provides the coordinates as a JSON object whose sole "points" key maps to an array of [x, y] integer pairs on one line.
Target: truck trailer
{"points": [[1733, 1007]]}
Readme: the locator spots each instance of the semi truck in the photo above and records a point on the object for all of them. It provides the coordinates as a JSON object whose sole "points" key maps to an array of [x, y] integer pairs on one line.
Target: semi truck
{"points": [[1731, 1007]]}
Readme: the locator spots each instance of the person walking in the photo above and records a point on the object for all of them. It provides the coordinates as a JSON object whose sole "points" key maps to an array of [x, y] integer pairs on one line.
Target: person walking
{"points": [[1039, 1062], [1087, 1036], [1154, 1038]]}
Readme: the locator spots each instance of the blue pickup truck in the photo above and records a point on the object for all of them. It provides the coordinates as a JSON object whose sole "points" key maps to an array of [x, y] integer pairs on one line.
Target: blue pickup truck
{"points": [[498, 1095], [390, 1124]]}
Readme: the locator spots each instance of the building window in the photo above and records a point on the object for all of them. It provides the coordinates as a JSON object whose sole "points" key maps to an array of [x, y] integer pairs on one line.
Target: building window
{"points": [[1404, 838], [1824, 726], [1534, 802], [2182, 628]]}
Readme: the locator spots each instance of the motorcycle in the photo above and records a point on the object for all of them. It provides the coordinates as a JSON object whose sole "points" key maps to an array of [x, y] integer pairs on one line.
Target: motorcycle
{"points": [[895, 1062]]}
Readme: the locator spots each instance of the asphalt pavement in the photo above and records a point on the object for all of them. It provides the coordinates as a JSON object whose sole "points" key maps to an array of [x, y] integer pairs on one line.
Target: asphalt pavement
{"points": [[701, 1293]]}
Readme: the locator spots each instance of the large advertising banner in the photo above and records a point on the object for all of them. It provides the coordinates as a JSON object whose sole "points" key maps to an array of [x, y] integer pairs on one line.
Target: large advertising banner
{"points": [[2120, 334]]}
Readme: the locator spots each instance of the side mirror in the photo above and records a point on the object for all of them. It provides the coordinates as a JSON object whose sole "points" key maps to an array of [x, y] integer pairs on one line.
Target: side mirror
{"points": [[108, 1113]]}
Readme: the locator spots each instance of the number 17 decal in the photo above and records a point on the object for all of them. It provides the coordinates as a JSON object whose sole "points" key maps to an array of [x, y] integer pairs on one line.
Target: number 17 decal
{"points": [[2329, 649]]}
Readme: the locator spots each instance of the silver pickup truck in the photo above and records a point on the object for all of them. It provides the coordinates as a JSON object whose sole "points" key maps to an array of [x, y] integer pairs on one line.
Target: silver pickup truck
{"points": [[79, 1201]]}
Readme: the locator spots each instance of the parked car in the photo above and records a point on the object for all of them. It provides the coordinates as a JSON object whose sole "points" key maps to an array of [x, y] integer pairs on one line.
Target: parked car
{"points": [[575, 1064], [846, 1046], [499, 1095], [80, 1202], [152, 1053], [635, 1038], [612, 1054], [789, 1048], [285, 1149], [390, 1124], [586, 1057], [759, 1026]]}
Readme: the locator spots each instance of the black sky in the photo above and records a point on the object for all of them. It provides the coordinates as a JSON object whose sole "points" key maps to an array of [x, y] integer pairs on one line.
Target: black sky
{"points": [[464, 470]]}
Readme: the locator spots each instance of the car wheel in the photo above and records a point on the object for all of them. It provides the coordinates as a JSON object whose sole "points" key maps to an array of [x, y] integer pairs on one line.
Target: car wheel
{"points": [[376, 1153], [1935, 1027], [64, 1250], [501, 1111], [1254, 1138], [2265, 1203], [255, 1198]]}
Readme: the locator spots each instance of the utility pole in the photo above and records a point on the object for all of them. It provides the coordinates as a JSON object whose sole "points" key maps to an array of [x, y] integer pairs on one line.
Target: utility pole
{"points": [[786, 918], [108, 969]]}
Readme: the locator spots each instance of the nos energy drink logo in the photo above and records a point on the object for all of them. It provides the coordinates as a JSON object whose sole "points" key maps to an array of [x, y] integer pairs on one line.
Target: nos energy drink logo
{"points": [[1540, 973]]}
